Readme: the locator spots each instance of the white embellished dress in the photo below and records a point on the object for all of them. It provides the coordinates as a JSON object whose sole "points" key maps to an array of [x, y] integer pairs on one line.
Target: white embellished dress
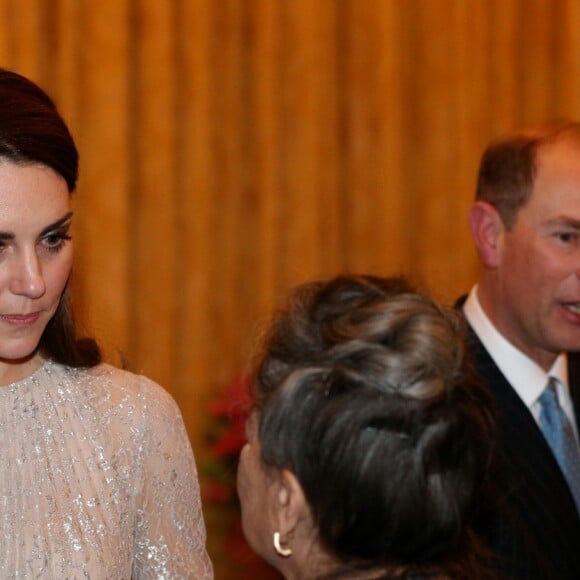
{"points": [[97, 479]]}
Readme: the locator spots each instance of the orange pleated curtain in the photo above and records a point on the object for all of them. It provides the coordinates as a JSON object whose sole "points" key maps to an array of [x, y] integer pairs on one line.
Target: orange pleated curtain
{"points": [[231, 149]]}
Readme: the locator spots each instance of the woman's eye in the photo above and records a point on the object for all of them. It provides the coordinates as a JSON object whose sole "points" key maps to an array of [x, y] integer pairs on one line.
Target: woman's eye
{"points": [[54, 242]]}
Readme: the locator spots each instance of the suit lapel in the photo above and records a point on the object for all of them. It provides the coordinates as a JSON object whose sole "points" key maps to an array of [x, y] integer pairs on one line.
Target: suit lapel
{"points": [[536, 530], [574, 379], [522, 439]]}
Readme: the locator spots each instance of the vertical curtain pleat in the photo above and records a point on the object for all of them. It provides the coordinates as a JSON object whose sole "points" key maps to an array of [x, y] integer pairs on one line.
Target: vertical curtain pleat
{"points": [[155, 247], [103, 111], [194, 168]]}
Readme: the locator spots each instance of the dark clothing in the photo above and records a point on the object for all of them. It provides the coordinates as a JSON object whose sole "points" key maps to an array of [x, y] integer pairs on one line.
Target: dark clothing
{"points": [[535, 531]]}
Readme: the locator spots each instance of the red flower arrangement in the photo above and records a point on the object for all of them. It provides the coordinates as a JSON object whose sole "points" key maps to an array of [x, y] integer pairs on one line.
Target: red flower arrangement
{"points": [[227, 436]]}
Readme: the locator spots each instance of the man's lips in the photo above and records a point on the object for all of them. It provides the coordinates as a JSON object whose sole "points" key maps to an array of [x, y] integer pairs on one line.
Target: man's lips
{"points": [[573, 307]]}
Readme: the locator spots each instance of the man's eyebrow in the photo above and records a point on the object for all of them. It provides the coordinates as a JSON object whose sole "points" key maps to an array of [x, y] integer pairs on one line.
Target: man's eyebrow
{"points": [[63, 221], [566, 221]]}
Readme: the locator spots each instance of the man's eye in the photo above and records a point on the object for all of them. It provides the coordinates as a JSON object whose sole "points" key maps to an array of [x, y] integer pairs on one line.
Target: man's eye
{"points": [[567, 236]]}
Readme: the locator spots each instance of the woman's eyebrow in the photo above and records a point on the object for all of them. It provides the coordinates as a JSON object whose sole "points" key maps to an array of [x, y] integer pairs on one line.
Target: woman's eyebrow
{"points": [[57, 224], [63, 221]]}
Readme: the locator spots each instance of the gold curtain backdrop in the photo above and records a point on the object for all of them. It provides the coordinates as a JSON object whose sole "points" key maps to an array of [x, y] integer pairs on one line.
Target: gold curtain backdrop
{"points": [[231, 149]]}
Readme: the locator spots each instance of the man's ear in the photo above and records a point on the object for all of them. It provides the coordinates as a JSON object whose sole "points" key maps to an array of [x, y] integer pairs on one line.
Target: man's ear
{"points": [[487, 229]]}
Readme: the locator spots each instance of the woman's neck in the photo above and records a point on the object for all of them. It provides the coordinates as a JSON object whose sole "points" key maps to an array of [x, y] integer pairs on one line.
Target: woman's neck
{"points": [[13, 371]]}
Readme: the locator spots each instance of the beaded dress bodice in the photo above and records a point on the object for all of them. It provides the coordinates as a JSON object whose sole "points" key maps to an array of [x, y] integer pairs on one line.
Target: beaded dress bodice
{"points": [[97, 479]]}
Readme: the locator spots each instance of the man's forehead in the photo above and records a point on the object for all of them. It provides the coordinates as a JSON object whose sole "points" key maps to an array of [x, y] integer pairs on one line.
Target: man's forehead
{"points": [[568, 143]]}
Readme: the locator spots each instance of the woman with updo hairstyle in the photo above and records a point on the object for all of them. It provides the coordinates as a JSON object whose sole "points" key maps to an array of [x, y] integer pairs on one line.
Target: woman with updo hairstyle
{"points": [[369, 441]]}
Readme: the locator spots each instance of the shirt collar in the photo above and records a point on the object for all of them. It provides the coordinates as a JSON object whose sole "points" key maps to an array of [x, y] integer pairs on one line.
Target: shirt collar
{"points": [[526, 377]]}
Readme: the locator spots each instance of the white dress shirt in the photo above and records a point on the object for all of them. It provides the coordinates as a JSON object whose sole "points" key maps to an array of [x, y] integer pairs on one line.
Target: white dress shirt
{"points": [[526, 377]]}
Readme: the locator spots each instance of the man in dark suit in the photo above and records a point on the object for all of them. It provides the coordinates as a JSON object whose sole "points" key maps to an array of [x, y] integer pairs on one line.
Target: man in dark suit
{"points": [[524, 318]]}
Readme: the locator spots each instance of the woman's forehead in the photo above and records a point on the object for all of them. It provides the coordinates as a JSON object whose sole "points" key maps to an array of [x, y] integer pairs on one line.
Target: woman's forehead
{"points": [[31, 196]]}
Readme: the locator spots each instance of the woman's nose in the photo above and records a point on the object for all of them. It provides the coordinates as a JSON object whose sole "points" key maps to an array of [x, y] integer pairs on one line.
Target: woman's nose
{"points": [[27, 279]]}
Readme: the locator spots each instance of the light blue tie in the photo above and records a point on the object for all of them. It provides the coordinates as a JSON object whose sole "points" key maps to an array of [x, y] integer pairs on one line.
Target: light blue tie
{"points": [[558, 432]]}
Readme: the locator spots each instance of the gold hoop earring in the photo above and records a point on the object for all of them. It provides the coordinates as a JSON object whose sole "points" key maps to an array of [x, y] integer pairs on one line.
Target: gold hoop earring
{"points": [[284, 552]]}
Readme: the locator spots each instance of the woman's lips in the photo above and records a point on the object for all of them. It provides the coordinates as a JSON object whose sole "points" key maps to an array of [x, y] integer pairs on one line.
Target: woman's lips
{"points": [[20, 319]]}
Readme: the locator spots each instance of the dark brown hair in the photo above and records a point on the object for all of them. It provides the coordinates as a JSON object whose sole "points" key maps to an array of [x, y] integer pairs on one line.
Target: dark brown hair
{"points": [[33, 132]]}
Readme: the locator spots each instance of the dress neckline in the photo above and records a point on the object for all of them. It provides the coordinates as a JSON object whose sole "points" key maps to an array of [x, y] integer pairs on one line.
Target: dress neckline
{"points": [[32, 378]]}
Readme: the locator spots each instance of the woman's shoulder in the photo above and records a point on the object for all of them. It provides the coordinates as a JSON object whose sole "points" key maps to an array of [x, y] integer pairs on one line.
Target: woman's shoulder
{"points": [[120, 386]]}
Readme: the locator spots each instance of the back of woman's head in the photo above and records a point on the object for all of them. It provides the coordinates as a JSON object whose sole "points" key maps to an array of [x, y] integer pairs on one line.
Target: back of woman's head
{"points": [[366, 397], [32, 130]]}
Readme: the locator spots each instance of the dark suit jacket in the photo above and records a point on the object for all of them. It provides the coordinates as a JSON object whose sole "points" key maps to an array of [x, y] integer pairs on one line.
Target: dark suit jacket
{"points": [[535, 531]]}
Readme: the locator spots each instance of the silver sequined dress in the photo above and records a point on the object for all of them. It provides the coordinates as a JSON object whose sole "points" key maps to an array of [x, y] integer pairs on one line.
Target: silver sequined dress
{"points": [[97, 479]]}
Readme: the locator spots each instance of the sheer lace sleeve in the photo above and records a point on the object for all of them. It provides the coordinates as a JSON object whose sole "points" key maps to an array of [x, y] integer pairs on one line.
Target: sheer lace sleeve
{"points": [[169, 529]]}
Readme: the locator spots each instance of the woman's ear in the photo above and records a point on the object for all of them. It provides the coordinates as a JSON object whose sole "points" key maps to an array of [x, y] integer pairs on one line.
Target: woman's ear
{"points": [[487, 229], [290, 502]]}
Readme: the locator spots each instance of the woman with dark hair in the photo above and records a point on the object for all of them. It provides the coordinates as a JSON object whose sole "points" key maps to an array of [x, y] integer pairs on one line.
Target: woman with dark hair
{"points": [[97, 476], [369, 443]]}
